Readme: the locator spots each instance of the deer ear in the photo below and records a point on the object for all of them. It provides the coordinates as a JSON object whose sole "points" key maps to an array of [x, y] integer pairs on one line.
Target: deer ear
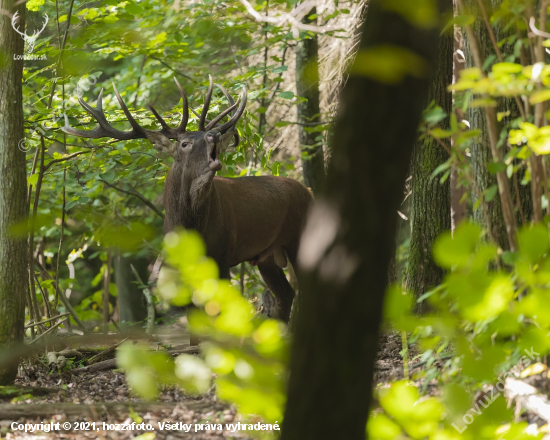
{"points": [[161, 142]]}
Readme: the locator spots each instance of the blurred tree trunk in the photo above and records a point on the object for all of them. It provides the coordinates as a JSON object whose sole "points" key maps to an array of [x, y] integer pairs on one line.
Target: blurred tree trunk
{"points": [[346, 247], [431, 200], [458, 205], [480, 149], [131, 302], [13, 191], [309, 113]]}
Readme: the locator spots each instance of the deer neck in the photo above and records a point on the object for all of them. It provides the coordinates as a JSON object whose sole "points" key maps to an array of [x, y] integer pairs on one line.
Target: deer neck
{"points": [[187, 198]]}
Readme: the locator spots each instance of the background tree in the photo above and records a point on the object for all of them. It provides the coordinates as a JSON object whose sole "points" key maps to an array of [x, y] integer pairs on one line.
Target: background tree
{"points": [[431, 199], [490, 214], [309, 112], [13, 185], [346, 247]]}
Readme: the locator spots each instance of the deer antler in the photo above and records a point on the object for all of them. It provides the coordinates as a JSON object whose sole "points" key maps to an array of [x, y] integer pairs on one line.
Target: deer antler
{"points": [[232, 108], [13, 21], [104, 129]]}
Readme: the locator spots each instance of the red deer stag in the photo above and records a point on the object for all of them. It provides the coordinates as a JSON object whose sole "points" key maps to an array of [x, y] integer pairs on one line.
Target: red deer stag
{"points": [[255, 219]]}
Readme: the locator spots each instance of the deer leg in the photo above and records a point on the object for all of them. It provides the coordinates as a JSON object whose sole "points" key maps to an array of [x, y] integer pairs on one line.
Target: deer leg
{"points": [[276, 280], [224, 271]]}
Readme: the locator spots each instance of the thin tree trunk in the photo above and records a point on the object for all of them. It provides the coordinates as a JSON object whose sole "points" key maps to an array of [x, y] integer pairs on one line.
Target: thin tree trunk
{"points": [[13, 187], [458, 205], [307, 86], [132, 304], [480, 149], [431, 200], [347, 243]]}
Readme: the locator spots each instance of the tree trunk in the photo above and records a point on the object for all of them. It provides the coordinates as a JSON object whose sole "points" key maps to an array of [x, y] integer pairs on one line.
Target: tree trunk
{"points": [[132, 304], [347, 243], [480, 147], [431, 200], [13, 186], [307, 86], [458, 205]]}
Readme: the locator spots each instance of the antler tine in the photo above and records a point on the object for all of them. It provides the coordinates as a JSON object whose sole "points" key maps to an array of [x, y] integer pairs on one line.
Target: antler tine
{"points": [[136, 127], [185, 116], [103, 129], [226, 94], [237, 115], [207, 99], [159, 117], [221, 115]]}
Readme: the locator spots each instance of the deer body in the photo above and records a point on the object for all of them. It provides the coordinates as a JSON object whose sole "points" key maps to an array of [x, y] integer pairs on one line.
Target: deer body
{"points": [[256, 219], [241, 219]]}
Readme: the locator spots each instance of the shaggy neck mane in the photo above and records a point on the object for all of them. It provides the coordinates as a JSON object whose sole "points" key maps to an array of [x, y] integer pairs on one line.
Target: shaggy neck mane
{"points": [[188, 200]]}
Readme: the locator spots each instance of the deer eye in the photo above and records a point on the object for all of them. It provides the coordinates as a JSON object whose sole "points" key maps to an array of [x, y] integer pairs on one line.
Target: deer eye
{"points": [[185, 144]]}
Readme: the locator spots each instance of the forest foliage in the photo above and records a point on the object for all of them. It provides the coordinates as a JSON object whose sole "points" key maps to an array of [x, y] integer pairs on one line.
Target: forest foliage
{"points": [[92, 200]]}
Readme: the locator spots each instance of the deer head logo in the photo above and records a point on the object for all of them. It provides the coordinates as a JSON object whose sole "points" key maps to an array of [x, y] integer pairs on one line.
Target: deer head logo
{"points": [[30, 40]]}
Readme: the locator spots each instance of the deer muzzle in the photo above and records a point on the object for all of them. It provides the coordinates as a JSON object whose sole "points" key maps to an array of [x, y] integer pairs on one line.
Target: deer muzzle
{"points": [[213, 141]]}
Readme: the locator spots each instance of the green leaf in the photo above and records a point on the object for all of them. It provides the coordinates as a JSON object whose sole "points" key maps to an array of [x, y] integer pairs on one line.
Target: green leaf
{"points": [[540, 96], [496, 167], [71, 204], [441, 168], [533, 242], [34, 5], [456, 250], [33, 179], [507, 68], [490, 193], [286, 95]]}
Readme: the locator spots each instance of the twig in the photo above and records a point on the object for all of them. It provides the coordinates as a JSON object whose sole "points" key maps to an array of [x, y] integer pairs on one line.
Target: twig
{"points": [[535, 30], [61, 49], [59, 249], [172, 69], [50, 330], [106, 352], [33, 169], [292, 18], [440, 142], [106, 292], [493, 129], [63, 159], [140, 197], [34, 304], [44, 297], [46, 320], [64, 299], [518, 197], [442, 358]]}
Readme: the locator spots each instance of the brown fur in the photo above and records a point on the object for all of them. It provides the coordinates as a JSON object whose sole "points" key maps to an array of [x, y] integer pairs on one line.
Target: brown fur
{"points": [[256, 219]]}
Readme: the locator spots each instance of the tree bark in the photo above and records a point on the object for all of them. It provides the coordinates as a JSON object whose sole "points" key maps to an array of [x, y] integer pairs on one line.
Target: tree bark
{"points": [[309, 113], [346, 246], [13, 187], [431, 200]]}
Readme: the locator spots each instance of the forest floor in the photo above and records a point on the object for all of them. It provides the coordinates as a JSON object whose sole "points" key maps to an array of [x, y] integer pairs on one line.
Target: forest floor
{"points": [[102, 397], [83, 398]]}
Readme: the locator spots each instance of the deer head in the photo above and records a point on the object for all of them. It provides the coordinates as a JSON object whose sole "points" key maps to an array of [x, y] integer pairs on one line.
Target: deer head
{"points": [[196, 152], [30, 40]]}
